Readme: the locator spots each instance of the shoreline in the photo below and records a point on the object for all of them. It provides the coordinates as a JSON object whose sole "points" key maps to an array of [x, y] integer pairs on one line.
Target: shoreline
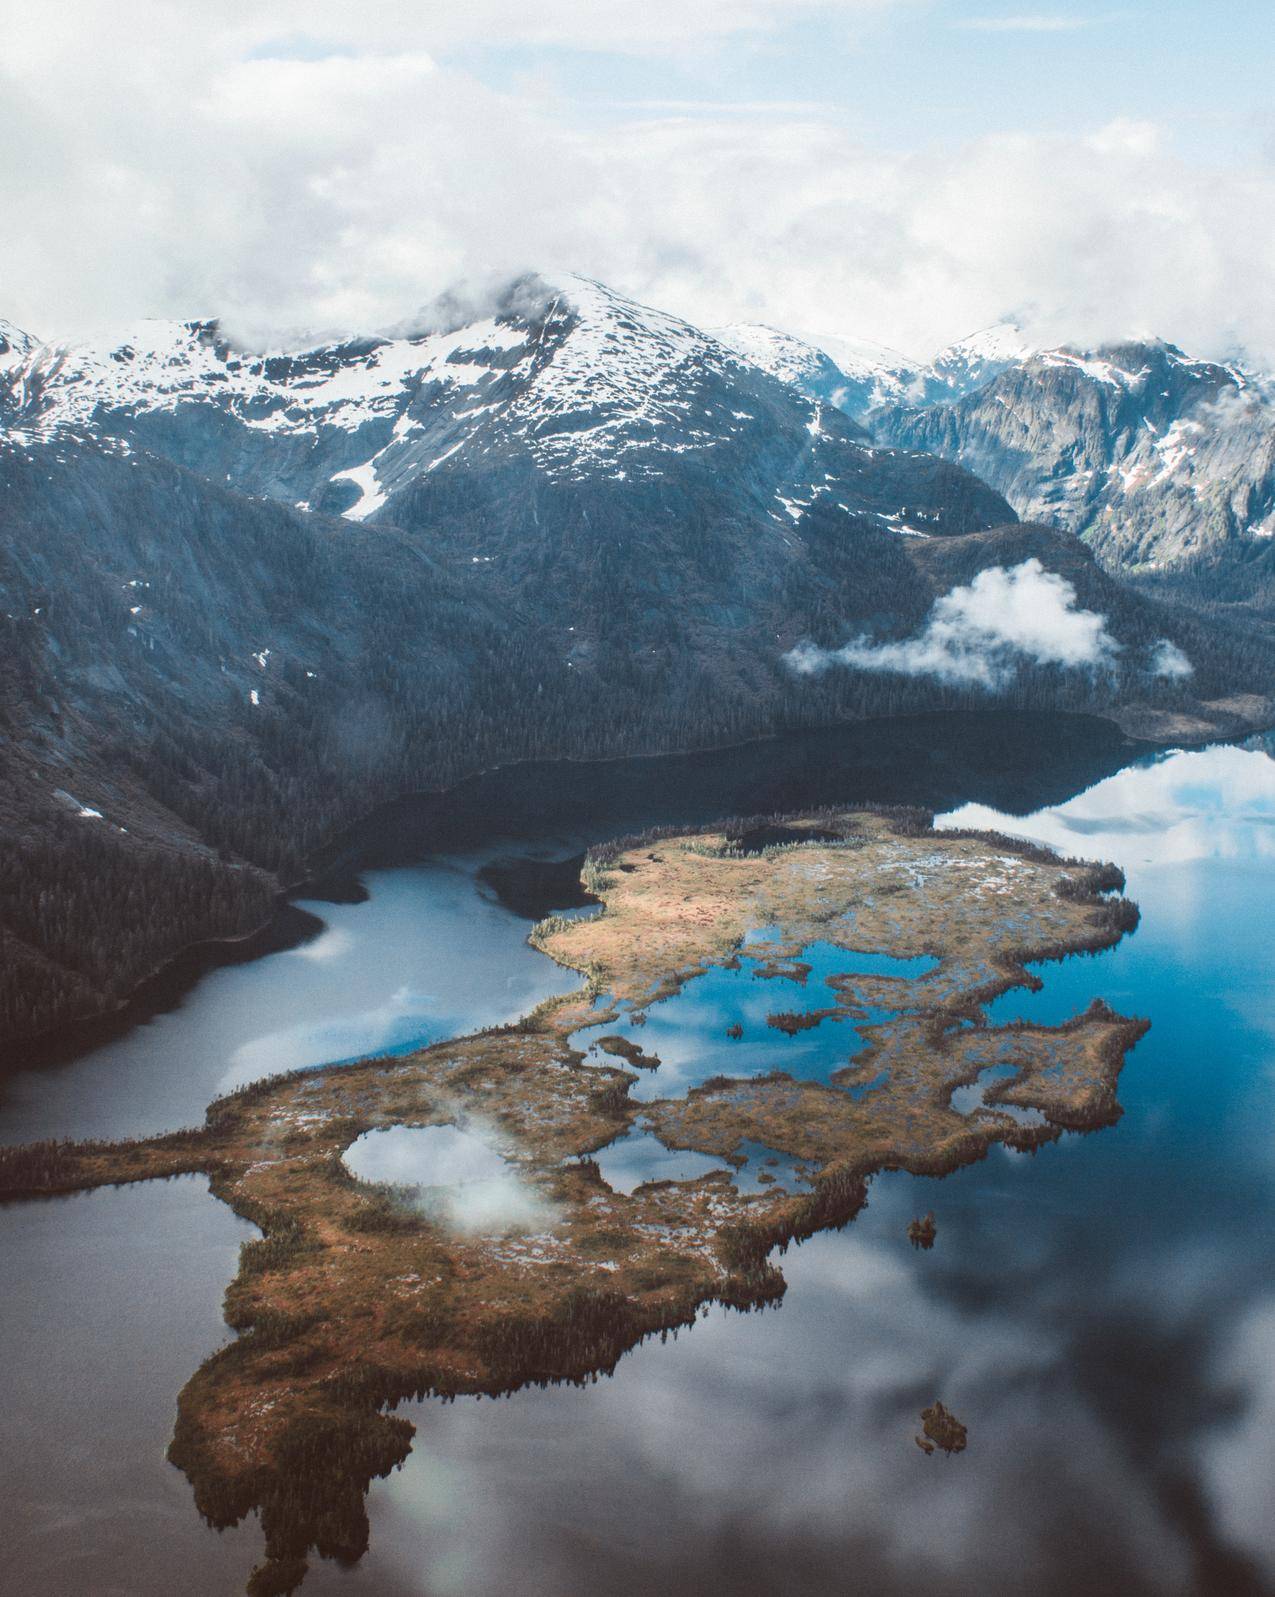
{"points": [[353, 1299], [163, 987]]}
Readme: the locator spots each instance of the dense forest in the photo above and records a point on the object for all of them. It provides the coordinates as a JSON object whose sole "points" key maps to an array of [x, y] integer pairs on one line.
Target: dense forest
{"points": [[198, 688]]}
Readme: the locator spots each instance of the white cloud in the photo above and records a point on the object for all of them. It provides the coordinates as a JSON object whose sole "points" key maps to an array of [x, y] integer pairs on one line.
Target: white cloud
{"points": [[1025, 24], [315, 27], [459, 1176], [1167, 660], [327, 165], [982, 633]]}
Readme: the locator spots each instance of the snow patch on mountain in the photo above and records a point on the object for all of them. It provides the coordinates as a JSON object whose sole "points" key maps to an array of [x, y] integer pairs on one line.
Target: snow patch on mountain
{"points": [[860, 377], [160, 365], [851, 374], [15, 345], [557, 373], [371, 494], [1150, 454], [617, 376], [972, 361]]}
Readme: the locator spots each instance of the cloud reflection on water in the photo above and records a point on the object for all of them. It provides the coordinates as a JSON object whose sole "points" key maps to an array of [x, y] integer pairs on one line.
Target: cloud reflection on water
{"points": [[1214, 803], [452, 1175], [1102, 1315], [775, 1453]]}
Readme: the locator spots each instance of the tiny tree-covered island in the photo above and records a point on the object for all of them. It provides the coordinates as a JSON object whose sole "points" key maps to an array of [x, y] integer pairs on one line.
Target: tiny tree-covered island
{"points": [[447, 1222]]}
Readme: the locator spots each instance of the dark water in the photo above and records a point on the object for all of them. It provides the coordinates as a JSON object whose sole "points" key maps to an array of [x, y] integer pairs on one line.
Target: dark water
{"points": [[1101, 1315], [437, 952], [111, 1300]]}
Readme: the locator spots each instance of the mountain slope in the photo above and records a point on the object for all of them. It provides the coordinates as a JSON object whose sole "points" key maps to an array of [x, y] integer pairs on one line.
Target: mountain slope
{"points": [[1174, 675], [570, 526], [573, 380], [861, 378], [246, 597], [853, 376], [1153, 458], [15, 345], [971, 362]]}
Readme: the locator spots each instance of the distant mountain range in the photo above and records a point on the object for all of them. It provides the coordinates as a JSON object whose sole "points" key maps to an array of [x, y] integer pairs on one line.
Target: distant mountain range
{"points": [[245, 596], [1154, 458], [569, 381], [1163, 464], [861, 378]]}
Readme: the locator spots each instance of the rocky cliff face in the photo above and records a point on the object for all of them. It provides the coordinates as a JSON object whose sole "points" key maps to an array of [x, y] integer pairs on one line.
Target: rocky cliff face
{"points": [[1153, 458], [1162, 463]]}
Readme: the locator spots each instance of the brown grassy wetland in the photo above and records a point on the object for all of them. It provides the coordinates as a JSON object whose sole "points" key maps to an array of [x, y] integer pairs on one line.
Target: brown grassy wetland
{"points": [[360, 1294]]}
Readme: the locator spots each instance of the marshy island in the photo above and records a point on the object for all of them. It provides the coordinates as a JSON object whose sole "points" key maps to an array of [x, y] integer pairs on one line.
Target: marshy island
{"points": [[769, 1012]]}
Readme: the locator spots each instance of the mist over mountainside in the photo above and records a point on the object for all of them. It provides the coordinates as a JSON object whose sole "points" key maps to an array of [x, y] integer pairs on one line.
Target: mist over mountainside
{"points": [[861, 378], [245, 596]]}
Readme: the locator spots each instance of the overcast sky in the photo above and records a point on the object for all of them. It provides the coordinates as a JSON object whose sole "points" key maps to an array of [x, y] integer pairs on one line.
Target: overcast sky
{"points": [[901, 170]]}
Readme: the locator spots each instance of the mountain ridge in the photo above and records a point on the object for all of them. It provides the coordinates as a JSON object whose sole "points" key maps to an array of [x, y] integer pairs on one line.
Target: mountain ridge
{"points": [[1151, 456], [245, 597]]}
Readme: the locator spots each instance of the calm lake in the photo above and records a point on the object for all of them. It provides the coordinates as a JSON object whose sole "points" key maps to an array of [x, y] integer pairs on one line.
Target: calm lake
{"points": [[1101, 1315]]}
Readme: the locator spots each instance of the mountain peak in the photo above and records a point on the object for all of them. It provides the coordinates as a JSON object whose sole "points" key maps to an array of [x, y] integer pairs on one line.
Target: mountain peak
{"points": [[863, 358], [974, 360], [852, 374], [1002, 341], [15, 345]]}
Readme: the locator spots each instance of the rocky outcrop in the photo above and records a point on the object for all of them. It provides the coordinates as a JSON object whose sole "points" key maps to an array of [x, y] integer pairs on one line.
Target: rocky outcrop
{"points": [[1153, 458]]}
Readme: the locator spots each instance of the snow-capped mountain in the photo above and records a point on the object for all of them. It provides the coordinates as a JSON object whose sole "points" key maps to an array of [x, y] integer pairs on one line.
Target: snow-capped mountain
{"points": [[1154, 458], [859, 377], [853, 375], [972, 361], [15, 345], [1151, 456], [566, 377]]}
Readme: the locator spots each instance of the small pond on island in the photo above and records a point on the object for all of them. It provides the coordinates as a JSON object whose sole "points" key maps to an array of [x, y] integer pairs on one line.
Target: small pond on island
{"points": [[1100, 1314], [455, 1177], [693, 1036]]}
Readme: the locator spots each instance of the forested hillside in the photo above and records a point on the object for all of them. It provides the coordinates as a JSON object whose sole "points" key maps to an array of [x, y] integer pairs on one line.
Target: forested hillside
{"points": [[625, 552]]}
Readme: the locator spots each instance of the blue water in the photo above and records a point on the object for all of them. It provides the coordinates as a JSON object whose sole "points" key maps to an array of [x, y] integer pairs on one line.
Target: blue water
{"points": [[687, 1032], [966, 1100], [1100, 1314], [425, 957], [639, 1156]]}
